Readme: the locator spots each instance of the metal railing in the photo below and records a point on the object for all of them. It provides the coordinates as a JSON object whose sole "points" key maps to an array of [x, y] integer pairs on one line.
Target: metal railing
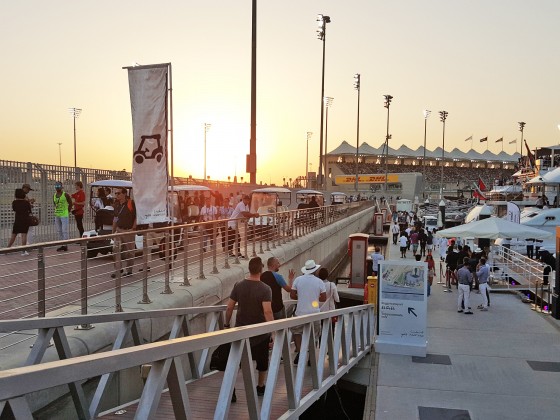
{"points": [[339, 350], [87, 277], [51, 331], [513, 265]]}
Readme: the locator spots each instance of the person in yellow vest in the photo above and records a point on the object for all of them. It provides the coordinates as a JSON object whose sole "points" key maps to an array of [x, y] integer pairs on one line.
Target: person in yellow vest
{"points": [[62, 207]]}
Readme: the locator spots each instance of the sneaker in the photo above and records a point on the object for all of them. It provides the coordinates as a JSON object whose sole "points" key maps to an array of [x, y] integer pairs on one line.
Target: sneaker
{"points": [[484, 309], [260, 390], [142, 269], [468, 313], [296, 359], [114, 275], [233, 397], [459, 310], [62, 248], [128, 273], [480, 306], [25, 253]]}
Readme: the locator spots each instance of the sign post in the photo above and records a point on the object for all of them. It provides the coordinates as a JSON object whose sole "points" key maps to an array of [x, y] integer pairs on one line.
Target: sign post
{"points": [[402, 308]]}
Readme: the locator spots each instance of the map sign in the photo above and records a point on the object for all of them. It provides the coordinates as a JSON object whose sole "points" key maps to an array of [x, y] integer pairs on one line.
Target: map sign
{"points": [[402, 308]]}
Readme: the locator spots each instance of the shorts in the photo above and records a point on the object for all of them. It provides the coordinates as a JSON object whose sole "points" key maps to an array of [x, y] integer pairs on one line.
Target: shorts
{"points": [[298, 329], [259, 354], [429, 247]]}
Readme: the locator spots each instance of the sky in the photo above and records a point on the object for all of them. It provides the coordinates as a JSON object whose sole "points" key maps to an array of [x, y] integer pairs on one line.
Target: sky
{"points": [[490, 64]]}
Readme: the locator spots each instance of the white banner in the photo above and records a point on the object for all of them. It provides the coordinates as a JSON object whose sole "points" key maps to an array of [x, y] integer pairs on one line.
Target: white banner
{"points": [[402, 308], [148, 101], [513, 212]]}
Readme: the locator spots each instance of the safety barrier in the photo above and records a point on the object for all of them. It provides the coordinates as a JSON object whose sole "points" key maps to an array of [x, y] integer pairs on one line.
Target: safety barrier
{"points": [[339, 350], [48, 281]]}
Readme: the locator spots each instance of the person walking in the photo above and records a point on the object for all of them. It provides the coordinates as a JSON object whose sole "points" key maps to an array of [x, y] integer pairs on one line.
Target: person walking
{"points": [[254, 306], [431, 272], [375, 258], [403, 242], [464, 278], [62, 207], [276, 282], [22, 209], [308, 290], [79, 198], [26, 189], [124, 221], [395, 231], [483, 273], [241, 211], [208, 213]]}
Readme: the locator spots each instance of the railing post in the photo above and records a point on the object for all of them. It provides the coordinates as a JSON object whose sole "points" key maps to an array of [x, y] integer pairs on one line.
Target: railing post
{"points": [[41, 295], [201, 256], [253, 239], [118, 263], [261, 238], [214, 250], [166, 289], [145, 251], [186, 279], [226, 252]]}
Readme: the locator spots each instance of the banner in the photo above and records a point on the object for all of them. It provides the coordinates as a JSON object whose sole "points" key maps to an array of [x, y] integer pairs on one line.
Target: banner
{"points": [[365, 179], [403, 308], [513, 212], [148, 102]]}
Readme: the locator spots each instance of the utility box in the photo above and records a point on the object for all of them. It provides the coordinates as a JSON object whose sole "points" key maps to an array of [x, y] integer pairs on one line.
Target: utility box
{"points": [[357, 247], [378, 224], [370, 290]]}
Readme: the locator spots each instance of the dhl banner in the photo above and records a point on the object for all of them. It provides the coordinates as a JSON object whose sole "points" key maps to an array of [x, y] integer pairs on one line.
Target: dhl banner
{"points": [[365, 179]]}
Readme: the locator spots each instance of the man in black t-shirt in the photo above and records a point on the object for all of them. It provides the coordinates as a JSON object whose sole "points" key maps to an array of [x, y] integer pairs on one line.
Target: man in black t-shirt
{"points": [[253, 298], [276, 282]]}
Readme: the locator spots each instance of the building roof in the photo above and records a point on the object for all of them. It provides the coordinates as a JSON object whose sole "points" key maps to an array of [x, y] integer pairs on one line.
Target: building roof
{"points": [[367, 150]]}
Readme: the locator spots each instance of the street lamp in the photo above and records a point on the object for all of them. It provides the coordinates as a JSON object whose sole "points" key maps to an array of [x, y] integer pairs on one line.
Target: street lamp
{"points": [[426, 115], [309, 134], [75, 112], [388, 99], [206, 128], [59, 155], [521, 127], [442, 117], [328, 104], [322, 35], [357, 87]]}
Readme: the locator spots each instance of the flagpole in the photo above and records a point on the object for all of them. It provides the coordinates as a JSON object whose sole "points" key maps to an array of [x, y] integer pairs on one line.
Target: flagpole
{"points": [[471, 142]]}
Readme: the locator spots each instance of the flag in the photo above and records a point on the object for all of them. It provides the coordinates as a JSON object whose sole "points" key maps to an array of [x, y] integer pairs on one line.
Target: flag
{"points": [[481, 184], [501, 139], [477, 193], [148, 87], [513, 141], [484, 139], [468, 139]]}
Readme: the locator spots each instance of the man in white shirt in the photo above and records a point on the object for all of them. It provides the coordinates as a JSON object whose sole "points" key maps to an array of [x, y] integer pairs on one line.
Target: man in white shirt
{"points": [[308, 290], [395, 230], [224, 213], [208, 213], [242, 210]]}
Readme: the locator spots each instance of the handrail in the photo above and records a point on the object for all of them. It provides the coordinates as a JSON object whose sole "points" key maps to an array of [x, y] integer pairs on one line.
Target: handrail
{"points": [[351, 339]]}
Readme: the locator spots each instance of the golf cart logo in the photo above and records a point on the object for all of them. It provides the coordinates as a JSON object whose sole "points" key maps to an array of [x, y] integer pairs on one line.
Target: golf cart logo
{"points": [[150, 148]]}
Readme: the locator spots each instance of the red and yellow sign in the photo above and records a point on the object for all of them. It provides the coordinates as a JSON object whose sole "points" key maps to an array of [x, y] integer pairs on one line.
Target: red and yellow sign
{"points": [[365, 179]]}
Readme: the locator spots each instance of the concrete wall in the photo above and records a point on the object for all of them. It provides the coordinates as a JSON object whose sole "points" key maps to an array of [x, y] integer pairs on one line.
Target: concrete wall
{"points": [[325, 246]]}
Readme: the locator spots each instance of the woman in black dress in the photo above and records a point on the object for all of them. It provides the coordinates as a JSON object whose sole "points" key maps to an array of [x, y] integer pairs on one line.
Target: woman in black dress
{"points": [[22, 208]]}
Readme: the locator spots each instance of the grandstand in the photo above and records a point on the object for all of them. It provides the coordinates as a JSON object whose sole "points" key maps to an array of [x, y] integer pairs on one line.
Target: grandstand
{"points": [[461, 169]]}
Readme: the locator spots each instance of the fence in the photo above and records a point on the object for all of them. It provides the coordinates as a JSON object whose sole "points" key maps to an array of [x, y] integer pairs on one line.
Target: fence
{"points": [[339, 350], [88, 277]]}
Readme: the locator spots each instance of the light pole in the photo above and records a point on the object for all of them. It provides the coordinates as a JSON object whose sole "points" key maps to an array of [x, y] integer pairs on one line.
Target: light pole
{"points": [[521, 128], [388, 99], [357, 87], [426, 115], [59, 155], [442, 116], [206, 128], [322, 35], [309, 134], [252, 161], [75, 112], [328, 104]]}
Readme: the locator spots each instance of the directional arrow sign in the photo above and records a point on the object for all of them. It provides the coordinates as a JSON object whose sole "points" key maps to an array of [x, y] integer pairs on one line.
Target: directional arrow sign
{"points": [[411, 311]]}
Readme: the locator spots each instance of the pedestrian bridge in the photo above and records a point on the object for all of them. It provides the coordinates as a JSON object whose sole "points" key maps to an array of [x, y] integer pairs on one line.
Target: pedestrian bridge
{"points": [[63, 286]]}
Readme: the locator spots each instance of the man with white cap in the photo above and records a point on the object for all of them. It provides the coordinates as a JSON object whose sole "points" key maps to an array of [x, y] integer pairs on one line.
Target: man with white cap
{"points": [[308, 290]]}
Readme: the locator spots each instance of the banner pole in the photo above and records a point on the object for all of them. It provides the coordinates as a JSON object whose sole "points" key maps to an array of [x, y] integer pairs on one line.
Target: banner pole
{"points": [[170, 130]]}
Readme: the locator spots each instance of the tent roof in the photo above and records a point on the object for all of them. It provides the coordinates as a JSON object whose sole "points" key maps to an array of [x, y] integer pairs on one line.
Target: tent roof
{"points": [[494, 228]]}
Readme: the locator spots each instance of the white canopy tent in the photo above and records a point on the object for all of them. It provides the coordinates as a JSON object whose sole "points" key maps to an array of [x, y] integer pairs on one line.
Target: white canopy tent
{"points": [[494, 228]]}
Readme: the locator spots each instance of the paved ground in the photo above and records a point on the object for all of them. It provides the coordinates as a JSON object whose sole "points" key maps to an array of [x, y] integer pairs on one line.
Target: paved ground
{"points": [[502, 364]]}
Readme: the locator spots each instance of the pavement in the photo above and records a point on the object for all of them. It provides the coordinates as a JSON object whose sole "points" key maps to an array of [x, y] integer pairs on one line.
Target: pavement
{"points": [[500, 364]]}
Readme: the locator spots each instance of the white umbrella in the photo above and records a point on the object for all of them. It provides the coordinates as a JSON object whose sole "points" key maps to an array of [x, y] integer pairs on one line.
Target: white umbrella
{"points": [[494, 228]]}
